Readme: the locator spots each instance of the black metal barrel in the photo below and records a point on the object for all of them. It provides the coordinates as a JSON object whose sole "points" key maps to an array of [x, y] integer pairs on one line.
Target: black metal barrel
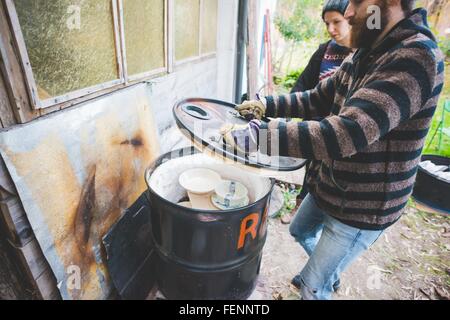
{"points": [[206, 254]]}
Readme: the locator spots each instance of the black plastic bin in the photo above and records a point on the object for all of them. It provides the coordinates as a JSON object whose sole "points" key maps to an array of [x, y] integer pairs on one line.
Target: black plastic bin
{"points": [[431, 189]]}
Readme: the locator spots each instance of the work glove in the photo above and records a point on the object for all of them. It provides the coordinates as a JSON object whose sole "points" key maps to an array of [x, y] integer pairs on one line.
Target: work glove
{"points": [[250, 110], [243, 138]]}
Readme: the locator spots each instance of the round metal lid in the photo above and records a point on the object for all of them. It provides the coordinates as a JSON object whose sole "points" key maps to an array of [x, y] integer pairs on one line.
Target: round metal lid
{"points": [[201, 119]]}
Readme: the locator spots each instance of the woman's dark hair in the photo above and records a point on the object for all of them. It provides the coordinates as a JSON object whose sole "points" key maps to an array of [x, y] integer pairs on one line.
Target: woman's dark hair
{"points": [[335, 5], [408, 5]]}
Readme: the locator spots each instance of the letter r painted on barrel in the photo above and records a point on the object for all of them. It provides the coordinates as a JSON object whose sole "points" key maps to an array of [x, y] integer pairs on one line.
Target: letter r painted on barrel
{"points": [[263, 227], [248, 225]]}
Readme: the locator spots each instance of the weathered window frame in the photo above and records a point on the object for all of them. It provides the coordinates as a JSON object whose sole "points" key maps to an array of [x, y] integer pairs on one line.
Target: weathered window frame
{"points": [[37, 103], [201, 56], [149, 74], [124, 79]]}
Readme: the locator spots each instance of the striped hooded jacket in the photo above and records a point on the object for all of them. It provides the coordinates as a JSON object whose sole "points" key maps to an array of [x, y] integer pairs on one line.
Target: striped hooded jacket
{"points": [[377, 110]]}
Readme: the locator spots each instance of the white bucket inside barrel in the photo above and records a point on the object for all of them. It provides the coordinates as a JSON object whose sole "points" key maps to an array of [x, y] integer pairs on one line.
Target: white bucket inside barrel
{"points": [[164, 180]]}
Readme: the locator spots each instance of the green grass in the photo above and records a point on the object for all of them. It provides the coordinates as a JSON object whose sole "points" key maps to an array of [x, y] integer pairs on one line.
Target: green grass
{"points": [[444, 150]]}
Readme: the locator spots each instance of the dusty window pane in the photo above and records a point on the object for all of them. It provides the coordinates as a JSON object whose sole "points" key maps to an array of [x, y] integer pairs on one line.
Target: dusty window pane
{"points": [[144, 35], [70, 43], [187, 17], [209, 26]]}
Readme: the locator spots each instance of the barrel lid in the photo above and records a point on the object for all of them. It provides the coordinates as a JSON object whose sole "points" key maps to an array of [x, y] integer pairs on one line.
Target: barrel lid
{"points": [[200, 120]]}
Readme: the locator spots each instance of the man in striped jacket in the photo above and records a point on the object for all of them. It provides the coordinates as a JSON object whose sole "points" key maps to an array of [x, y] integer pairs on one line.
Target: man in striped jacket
{"points": [[377, 110]]}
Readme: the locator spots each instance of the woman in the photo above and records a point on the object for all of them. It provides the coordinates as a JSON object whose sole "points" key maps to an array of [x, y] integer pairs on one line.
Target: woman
{"points": [[330, 55]]}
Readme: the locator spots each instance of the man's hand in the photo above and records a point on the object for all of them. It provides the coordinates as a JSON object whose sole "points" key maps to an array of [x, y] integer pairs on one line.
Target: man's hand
{"points": [[243, 138], [254, 109]]}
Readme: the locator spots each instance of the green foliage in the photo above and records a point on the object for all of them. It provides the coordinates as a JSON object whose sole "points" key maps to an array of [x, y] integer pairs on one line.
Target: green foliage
{"points": [[290, 200], [304, 23], [444, 45], [443, 42], [444, 149], [289, 80]]}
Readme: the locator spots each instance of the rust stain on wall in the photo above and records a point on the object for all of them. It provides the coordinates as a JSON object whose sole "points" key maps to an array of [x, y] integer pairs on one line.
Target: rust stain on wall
{"points": [[85, 212], [136, 142]]}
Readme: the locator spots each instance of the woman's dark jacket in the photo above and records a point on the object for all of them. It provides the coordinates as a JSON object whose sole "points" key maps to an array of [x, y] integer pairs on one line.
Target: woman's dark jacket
{"points": [[310, 76]]}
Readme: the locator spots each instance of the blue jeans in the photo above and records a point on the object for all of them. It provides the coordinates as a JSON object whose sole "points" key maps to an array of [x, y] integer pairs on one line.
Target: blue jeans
{"points": [[331, 246]]}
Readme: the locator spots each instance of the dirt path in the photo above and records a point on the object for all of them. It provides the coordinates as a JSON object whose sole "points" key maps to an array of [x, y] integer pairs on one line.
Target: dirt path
{"points": [[411, 260]]}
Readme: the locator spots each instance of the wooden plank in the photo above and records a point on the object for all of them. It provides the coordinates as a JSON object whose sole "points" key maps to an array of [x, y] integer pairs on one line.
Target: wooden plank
{"points": [[252, 54], [48, 110], [200, 31], [18, 228], [7, 187], [36, 269], [22, 52], [91, 96], [13, 76], [24, 248], [14, 284], [47, 286], [71, 103], [166, 35], [7, 118], [17, 231], [36, 275], [10, 288], [31, 255], [170, 40], [118, 33]]}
